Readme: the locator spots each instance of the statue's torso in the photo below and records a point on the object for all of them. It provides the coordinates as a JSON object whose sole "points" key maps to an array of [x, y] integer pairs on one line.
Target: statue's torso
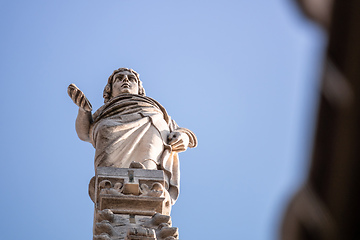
{"points": [[128, 129]]}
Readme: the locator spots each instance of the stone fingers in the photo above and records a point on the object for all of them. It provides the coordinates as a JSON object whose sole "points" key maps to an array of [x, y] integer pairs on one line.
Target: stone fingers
{"points": [[84, 103], [78, 97], [179, 146], [74, 93], [70, 89]]}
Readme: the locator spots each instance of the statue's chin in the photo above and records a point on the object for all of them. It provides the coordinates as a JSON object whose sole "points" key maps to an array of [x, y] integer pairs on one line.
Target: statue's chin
{"points": [[127, 90]]}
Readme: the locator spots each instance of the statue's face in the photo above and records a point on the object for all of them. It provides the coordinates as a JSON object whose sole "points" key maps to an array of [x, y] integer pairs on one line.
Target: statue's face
{"points": [[124, 82]]}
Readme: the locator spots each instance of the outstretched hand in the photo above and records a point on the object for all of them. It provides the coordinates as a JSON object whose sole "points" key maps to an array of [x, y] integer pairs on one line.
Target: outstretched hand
{"points": [[179, 141], [79, 98]]}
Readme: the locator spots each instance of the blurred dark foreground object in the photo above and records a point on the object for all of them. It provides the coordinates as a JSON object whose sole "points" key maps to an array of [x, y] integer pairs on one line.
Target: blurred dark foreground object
{"points": [[327, 207]]}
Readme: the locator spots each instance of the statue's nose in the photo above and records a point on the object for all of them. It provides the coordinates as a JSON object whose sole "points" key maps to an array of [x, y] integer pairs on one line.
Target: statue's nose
{"points": [[125, 79]]}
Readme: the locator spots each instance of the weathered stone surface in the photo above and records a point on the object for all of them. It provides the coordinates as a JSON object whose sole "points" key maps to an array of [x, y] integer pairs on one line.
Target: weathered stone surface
{"points": [[131, 128], [137, 174], [121, 215]]}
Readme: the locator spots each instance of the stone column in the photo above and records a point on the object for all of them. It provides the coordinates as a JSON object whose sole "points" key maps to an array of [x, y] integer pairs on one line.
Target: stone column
{"points": [[131, 204]]}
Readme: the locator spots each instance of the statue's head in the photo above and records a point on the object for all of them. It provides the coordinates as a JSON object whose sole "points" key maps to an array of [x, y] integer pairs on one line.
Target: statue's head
{"points": [[123, 80]]}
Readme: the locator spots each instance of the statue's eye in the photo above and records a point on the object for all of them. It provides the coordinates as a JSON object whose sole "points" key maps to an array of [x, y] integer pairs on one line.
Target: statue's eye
{"points": [[118, 79]]}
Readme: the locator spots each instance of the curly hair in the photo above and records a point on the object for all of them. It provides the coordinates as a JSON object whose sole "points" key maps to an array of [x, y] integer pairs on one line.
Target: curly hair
{"points": [[108, 87]]}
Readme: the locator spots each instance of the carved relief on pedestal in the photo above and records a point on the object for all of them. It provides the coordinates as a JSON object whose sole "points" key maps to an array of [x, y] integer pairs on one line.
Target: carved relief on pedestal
{"points": [[131, 204], [125, 190]]}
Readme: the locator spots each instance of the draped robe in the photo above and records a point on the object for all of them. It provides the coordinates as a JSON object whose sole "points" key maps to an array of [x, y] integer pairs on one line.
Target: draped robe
{"points": [[136, 128]]}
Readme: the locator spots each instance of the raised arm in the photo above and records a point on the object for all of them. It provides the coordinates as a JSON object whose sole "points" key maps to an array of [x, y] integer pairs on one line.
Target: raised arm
{"points": [[84, 118]]}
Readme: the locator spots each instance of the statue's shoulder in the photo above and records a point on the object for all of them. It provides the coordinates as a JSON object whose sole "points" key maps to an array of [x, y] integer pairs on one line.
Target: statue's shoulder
{"points": [[167, 118], [98, 112]]}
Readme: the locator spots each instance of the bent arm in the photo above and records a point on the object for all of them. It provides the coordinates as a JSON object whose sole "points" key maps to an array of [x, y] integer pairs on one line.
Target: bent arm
{"points": [[83, 123], [181, 138], [192, 138], [84, 118]]}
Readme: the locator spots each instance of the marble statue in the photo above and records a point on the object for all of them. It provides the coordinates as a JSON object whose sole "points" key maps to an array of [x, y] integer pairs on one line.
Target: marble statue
{"points": [[132, 130]]}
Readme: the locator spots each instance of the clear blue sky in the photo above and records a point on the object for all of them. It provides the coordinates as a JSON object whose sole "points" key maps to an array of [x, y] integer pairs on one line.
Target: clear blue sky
{"points": [[240, 74]]}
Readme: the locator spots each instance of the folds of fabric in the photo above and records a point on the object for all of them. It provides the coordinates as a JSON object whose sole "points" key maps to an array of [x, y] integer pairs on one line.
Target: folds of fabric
{"points": [[135, 128]]}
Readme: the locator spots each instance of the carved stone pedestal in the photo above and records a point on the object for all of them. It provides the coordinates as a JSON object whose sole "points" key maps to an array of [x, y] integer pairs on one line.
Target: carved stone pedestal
{"points": [[131, 204]]}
